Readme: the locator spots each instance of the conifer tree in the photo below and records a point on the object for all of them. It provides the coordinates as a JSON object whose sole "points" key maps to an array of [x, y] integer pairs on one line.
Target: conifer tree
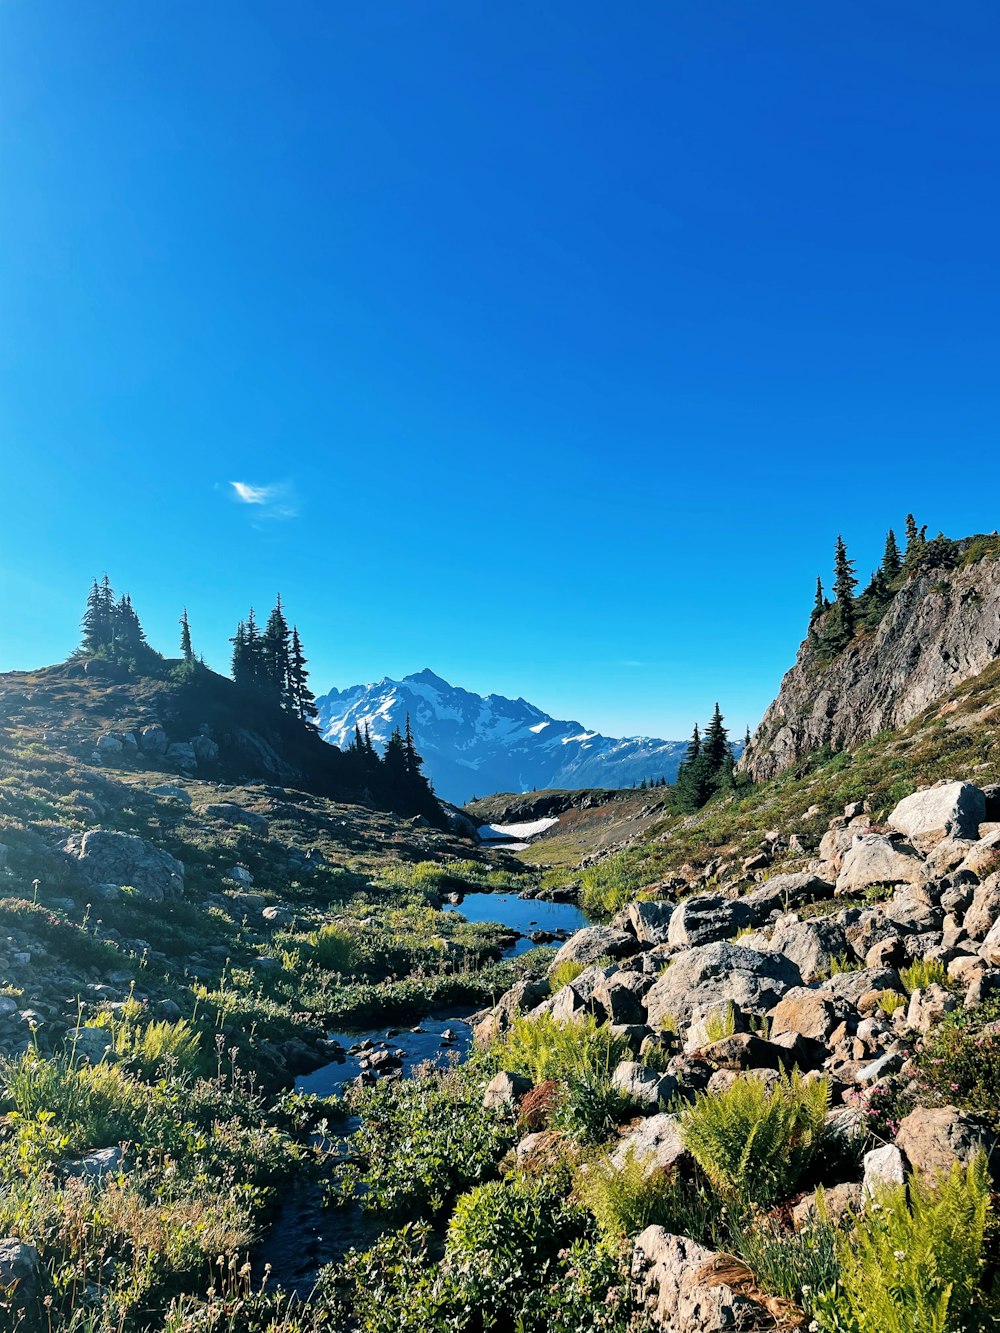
{"points": [[916, 539], [187, 652], [844, 584], [275, 656], [892, 563], [819, 603], [303, 701], [98, 618]]}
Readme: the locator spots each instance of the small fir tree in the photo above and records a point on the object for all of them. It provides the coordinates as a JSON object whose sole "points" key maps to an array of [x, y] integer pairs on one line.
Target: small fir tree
{"points": [[187, 652]]}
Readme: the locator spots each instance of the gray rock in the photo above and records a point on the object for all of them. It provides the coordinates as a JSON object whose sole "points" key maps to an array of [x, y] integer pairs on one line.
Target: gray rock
{"points": [[594, 942], [784, 893], [90, 1044], [883, 1167], [716, 975], [171, 792], [109, 744], [706, 918], [983, 858], [657, 1141], [934, 1138], [811, 945], [650, 920], [153, 740], [674, 1275], [928, 1006], [642, 1087], [96, 1165], [990, 949], [946, 810], [205, 749], [19, 1269], [504, 1090], [182, 754], [853, 986], [838, 1203], [276, 916], [620, 997], [984, 909], [227, 812], [104, 857], [875, 859], [241, 875]]}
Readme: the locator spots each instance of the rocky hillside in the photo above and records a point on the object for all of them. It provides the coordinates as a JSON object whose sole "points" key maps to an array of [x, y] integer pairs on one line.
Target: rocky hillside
{"points": [[942, 627], [474, 744]]}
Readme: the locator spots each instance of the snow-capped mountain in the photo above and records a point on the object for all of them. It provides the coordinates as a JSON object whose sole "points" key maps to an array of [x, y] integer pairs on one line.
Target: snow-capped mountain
{"points": [[473, 746]]}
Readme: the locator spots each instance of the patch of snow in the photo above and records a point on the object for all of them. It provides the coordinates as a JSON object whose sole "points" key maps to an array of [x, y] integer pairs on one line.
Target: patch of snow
{"points": [[583, 736], [489, 832], [540, 727]]}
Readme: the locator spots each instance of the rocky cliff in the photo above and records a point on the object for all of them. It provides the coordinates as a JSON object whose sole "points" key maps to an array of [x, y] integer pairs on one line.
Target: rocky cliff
{"points": [[942, 627]]}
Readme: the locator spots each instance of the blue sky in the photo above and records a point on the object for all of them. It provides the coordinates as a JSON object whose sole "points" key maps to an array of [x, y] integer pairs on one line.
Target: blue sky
{"points": [[562, 339]]}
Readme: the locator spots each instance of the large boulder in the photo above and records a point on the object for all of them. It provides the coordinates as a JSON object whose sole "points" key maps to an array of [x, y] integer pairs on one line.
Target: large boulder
{"points": [[875, 859], [594, 942], [811, 945], [676, 1276], [949, 809], [153, 740], [883, 1168], [785, 893], [715, 975], [228, 812], [705, 918], [106, 857], [934, 1138], [650, 920]]}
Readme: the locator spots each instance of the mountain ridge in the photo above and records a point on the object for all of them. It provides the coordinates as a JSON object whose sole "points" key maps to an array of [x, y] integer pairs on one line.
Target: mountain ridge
{"points": [[477, 744]]}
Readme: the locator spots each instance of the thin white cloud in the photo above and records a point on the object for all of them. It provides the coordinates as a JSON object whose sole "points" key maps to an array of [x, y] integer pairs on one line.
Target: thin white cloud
{"points": [[276, 500]]}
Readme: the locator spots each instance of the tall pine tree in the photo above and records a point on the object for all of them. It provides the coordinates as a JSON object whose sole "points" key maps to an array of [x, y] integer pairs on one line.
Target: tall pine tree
{"points": [[303, 701], [275, 656], [187, 652]]}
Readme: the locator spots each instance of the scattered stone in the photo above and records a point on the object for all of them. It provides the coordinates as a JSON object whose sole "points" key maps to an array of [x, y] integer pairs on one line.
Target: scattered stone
{"points": [[656, 1141], [103, 856], [153, 740], [650, 921], [19, 1270], [642, 1087], [706, 918], [883, 1167], [227, 812], [505, 1090], [169, 791], [875, 859], [594, 942]]}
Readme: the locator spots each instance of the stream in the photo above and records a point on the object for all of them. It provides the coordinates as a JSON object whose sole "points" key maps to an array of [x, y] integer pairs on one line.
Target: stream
{"points": [[305, 1235]]}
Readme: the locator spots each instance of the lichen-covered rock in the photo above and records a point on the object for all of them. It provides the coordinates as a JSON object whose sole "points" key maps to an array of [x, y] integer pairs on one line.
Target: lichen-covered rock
{"points": [[811, 1013], [716, 975], [657, 1142], [19, 1269], [642, 1087], [946, 810], [504, 1090], [984, 909], [103, 856], [883, 1168], [983, 857], [811, 945], [650, 920]]}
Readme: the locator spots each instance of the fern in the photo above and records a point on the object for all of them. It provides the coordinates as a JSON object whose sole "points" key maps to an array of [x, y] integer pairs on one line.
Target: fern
{"points": [[916, 1268], [924, 972], [755, 1145], [625, 1200]]}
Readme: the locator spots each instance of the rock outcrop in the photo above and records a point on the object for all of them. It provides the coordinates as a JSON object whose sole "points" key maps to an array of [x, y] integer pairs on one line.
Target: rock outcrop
{"points": [[941, 628]]}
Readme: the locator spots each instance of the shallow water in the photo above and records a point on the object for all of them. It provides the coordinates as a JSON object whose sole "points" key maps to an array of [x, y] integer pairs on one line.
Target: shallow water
{"points": [[425, 1042], [521, 914]]}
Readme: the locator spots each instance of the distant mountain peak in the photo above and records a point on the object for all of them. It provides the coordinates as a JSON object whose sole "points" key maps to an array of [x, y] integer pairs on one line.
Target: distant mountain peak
{"points": [[476, 744]]}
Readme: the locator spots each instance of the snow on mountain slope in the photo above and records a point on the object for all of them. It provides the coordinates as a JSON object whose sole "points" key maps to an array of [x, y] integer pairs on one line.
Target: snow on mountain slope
{"points": [[474, 745]]}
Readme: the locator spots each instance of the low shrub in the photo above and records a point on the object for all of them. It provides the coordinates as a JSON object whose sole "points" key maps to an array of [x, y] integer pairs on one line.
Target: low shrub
{"points": [[422, 1141], [959, 1062], [756, 1145], [333, 947]]}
